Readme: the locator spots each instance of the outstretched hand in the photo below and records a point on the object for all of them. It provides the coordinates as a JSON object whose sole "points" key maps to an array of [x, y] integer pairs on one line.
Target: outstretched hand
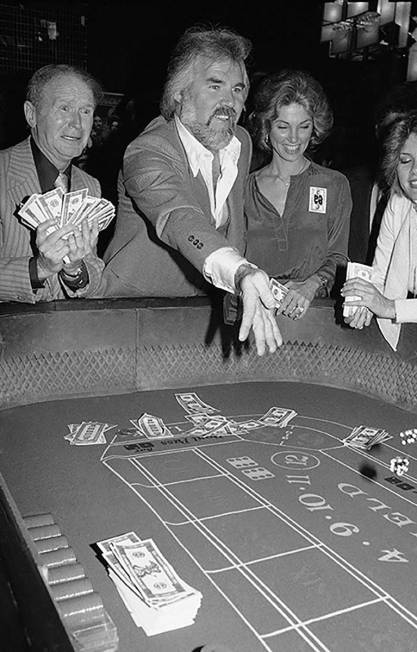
{"points": [[259, 312]]}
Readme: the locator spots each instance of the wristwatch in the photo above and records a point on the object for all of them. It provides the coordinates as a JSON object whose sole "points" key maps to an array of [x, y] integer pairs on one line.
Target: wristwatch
{"points": [[77, 279], [322, 290]]}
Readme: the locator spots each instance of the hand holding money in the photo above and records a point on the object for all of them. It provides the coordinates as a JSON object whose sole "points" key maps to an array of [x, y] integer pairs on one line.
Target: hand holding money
{"points": [[66, 209], [82, 242], [52, 249], [359, 291], [297, 298]]}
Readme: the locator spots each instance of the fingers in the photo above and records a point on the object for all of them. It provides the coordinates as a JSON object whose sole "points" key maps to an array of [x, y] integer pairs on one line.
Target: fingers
{"points": [[258, 313], [368, 318], [294, 305], [255, 289], [362, 317], [48, 232], [265, 330], [92, 231], [250, 300], [83, 240]]}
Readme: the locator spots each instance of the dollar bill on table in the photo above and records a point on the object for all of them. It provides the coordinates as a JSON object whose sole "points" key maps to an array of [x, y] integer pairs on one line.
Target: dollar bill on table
{"points": [[355, 270], [277, 417], [87, 433], [278, 290], [192, 403], [66, 208], [156, 597], [364, 437], [151, 426]]}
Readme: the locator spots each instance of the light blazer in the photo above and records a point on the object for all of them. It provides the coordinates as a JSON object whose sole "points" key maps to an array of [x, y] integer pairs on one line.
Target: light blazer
{"points": [[19, 180], [394, 270], [164, 229]]}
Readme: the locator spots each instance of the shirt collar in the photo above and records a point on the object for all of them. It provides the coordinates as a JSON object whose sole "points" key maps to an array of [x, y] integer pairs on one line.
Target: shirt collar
{"points": [[196, 152], [46, 171]]}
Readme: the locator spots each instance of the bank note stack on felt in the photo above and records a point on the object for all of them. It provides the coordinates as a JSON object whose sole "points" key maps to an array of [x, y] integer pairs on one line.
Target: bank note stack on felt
{"points": [[87, 433], [156, 597], [364, 437], [66, 208], [355, 270]]}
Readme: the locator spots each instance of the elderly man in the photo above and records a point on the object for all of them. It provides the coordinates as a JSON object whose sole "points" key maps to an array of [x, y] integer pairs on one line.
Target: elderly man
{"points": [[59, 110], [180, 221]]}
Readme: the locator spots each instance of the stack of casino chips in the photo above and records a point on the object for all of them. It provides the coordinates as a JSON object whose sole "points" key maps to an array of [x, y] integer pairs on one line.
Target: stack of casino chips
{"points": [[81, 609]]}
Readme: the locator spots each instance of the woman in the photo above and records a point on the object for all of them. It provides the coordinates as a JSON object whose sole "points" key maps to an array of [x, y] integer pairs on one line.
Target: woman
{"points": [[297, 211], [394, 276]]}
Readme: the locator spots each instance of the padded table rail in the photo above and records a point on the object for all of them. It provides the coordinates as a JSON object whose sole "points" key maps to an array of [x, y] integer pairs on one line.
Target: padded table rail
{"points": [[94, 348]]}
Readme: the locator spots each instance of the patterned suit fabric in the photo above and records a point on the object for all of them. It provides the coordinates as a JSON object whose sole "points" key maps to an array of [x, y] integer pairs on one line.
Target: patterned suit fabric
{"points": [[164, 228], [19, 180]]}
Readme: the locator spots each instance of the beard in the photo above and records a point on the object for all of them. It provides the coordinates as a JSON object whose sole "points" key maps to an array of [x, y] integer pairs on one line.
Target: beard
{"points": [[216, 133]]}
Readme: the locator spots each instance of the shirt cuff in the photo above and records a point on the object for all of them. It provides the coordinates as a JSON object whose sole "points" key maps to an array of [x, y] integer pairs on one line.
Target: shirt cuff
{"points": [[35, 283], [405, 311], [220, 268]]}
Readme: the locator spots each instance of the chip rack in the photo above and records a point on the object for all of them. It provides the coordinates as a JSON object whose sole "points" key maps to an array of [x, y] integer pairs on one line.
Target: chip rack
{"points": [[57, 602]]}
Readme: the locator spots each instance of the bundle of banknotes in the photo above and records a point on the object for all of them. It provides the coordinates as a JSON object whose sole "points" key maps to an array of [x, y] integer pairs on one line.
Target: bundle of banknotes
{"points": [[87, 433], [156, 597], [353, 270], [66, 208], [364, 437]]}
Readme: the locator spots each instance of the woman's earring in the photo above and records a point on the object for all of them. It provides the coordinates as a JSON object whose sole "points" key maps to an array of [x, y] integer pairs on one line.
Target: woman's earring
{"points": [[267, 140]]}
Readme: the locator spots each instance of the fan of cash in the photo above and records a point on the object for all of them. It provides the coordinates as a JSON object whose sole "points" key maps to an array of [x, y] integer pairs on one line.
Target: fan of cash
{"points": [[66, 208]]}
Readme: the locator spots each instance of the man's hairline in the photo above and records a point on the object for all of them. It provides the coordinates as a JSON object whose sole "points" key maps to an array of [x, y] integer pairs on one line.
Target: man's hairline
{"points": [[62, 74], [213, 59]]}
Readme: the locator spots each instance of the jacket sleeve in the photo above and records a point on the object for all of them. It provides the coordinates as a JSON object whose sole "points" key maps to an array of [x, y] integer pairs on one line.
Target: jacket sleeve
{"points": [[159, 187], [15, 282]]}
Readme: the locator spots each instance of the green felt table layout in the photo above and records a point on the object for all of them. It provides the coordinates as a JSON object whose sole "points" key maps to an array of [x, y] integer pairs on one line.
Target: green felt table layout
{"points": [[296, 541]]}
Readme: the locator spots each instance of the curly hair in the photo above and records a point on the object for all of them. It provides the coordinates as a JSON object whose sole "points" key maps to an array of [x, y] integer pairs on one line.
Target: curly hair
{"points": [[44, 75], [216, 43], [281, 89], [393, 138]]}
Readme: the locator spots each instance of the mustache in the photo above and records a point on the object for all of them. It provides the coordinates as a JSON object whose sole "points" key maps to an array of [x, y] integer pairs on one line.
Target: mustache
{"points": [[223, 111]]}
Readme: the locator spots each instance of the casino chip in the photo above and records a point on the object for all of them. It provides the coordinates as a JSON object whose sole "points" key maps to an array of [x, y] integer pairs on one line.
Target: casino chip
{"points": [[399, 465], [408, 436]]}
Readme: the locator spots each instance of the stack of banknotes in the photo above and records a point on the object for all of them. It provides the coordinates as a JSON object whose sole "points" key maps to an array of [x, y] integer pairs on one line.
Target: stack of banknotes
{"points": [[66, 208], [156, 597]]}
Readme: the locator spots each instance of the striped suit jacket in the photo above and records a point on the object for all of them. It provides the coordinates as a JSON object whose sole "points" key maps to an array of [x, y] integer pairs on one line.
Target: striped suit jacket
{"points": [[19, 180]]}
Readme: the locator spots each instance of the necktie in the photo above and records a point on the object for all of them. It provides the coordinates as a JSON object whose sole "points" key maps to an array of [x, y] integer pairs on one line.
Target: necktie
{"points": [[61, 182]]}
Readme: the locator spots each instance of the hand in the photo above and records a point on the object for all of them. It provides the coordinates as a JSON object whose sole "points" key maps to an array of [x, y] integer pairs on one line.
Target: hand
{"points": [[369, 296], [361, 317], [297, 300], [51, 249], [258, 312], [81, 243]]}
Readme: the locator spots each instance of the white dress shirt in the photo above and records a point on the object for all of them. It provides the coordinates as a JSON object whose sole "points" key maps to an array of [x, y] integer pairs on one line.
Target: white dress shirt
{"points": [[221, 265]]}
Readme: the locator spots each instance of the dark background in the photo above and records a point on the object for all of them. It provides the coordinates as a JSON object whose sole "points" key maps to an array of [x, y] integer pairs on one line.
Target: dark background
{"points": [[129, 44]]}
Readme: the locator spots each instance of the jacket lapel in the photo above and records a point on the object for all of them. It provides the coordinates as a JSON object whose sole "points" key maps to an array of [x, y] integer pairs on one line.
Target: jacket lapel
{"points": [[22, 178]]}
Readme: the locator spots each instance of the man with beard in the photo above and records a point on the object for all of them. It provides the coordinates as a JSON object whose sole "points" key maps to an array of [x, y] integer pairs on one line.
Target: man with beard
{"points": [[180, 226]]}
